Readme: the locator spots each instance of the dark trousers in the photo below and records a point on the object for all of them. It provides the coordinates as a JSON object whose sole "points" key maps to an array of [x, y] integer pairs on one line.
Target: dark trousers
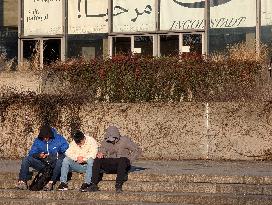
{"points": [[38, 165], [119, 166]]}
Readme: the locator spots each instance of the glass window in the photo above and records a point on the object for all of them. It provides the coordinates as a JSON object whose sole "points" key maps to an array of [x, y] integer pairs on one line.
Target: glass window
{"points": [[8, 42], [143, 45], [169, 45], [51, 50], [232, 22], [192, 43], [121, 45], [30, 48], [88, 46]]}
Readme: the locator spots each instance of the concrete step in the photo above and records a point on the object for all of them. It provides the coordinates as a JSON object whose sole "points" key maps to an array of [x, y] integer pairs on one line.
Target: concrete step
{"points": [[138, 197], [5, 201], [184, 178], [134, 186]]}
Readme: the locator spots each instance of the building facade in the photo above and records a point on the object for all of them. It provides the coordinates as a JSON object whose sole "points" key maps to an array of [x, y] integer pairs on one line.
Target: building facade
{"points": [[9, 28], [97, 28]]}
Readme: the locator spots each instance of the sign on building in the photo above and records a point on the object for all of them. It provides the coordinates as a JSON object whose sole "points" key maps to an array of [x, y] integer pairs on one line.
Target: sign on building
{"points": [[87, 16], [266, 12], [189, 14], [134, 15], [42, 17]]}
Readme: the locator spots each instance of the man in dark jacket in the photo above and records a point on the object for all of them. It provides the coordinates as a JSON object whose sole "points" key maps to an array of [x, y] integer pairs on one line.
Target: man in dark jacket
{"points": [[48, 146], [115, 156]]}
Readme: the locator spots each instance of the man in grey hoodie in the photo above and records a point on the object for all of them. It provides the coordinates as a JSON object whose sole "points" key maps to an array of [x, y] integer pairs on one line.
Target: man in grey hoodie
{"points": [[115, 156]]}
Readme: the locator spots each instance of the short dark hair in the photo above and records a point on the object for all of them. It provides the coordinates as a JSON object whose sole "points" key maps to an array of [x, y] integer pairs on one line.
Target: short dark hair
{"points": [[45, 131], [78, 137]]}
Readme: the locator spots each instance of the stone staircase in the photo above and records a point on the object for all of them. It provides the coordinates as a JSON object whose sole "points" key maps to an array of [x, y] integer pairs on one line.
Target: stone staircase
{"points": [[147, 188]]}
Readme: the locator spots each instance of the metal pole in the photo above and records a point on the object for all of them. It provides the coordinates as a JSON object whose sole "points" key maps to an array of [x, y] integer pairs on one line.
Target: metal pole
{"points": [[207, 27], [65, 30], [110, 16], [258, 26], [157, 28], [180, 43], [20, 54], [110, 26]]}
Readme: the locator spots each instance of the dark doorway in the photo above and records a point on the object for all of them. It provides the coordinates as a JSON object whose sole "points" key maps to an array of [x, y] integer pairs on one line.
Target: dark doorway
{"points": [[121, 45], [30, 48], [169, 45], [51, 50]]}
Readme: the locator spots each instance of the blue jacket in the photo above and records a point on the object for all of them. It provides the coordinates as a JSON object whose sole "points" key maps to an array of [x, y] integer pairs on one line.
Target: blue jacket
{"points": [[58, 144]]}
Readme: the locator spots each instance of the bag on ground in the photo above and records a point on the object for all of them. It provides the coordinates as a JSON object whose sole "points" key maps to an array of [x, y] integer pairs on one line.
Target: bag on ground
{"points": [[41, 179]]}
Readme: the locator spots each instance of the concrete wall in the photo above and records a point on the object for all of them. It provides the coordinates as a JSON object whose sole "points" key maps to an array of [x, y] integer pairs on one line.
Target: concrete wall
{"points": [[222, 130], [19, 81]]}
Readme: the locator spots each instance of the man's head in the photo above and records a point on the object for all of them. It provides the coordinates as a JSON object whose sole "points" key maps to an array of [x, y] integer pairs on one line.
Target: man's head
{"points": [[112, 134], [79, 138], [46, 133]]}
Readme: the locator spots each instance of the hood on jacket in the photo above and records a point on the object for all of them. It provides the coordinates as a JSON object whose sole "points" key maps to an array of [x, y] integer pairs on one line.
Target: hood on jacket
{"points": [[46, 130], [112, 134]]}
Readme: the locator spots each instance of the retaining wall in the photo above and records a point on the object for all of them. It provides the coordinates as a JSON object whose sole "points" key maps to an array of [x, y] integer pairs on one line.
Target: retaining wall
{"points": [[222, 130]]}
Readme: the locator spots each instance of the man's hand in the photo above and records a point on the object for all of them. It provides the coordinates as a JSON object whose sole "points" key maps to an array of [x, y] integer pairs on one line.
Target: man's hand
{"points": [[42, 155], [80, 159], [100, 155]]}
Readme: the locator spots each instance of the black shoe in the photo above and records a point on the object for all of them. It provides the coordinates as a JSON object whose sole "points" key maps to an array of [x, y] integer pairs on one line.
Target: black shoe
{"points": [[118, 188], [63, 187], [92, 188], [84, 186], [125, 177]]}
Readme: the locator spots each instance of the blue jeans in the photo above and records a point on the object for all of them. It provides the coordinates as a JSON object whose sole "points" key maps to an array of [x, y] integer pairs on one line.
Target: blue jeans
{"points": [[38, 165], [69, 165]]}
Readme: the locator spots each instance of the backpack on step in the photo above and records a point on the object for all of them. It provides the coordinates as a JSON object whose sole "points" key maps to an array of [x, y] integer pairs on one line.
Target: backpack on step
{"points": [[41, 179]]}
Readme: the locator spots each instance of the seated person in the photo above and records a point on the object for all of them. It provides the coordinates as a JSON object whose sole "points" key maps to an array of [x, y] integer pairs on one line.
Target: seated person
{"points": [[79, 158], [115, 156], [49, 145]]}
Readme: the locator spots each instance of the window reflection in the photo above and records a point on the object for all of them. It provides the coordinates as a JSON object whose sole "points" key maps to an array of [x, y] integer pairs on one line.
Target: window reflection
{"points": [[121, 45], [169, 45], [193, 42], [88, 46], [143, 45]]}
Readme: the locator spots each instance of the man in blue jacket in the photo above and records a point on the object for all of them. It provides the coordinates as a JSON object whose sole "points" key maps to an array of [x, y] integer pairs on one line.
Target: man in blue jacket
{"points": [[50, 146]]}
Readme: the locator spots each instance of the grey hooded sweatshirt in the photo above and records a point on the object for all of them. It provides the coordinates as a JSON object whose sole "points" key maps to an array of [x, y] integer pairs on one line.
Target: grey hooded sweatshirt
{"points": [[115, 146]]}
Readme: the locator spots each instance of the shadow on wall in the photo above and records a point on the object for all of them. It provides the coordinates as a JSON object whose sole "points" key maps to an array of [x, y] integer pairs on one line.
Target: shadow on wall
{"points": [[1, 13]]}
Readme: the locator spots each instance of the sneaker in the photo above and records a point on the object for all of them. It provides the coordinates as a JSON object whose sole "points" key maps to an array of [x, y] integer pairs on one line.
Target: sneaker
{"points": [[48, 186], [83, 187], [63, 186], [22, 185], [118, 189], [92, 188]]}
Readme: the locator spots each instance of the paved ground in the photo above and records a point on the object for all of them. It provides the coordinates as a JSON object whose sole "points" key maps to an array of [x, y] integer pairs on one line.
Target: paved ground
{"points": [[230, 168]]}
